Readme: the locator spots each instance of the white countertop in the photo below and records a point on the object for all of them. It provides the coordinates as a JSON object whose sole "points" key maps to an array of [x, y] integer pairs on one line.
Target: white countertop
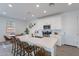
{"points": [[46, 42]]}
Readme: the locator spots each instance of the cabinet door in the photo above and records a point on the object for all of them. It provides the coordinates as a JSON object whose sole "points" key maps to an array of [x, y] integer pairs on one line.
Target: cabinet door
{"points": [[70, 29]]}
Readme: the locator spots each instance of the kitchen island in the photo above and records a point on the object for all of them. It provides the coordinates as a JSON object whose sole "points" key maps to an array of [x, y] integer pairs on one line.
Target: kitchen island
{"points": [[48, 43]]}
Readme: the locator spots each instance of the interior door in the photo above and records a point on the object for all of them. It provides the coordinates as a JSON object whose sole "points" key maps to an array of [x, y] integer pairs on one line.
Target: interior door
{"points": [[70, 29]]}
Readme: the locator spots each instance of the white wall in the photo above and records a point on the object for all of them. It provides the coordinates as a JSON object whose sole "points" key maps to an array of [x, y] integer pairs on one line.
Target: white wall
{"points": [[20, 26], [2, 29], [54, 21]]}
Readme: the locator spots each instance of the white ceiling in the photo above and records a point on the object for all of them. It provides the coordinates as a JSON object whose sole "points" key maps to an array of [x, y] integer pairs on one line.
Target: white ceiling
{"points": [[24, 11]]}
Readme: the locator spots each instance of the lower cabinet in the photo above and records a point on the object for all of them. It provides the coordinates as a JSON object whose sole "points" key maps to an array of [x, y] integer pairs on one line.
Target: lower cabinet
{"points": [[59, 42]]}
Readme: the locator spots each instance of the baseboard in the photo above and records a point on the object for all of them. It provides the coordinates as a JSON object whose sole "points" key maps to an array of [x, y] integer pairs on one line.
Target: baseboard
{"points": [[70, 45]]}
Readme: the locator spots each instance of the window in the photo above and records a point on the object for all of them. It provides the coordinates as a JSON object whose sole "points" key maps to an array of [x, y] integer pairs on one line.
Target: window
{"points": [[10, 28]]}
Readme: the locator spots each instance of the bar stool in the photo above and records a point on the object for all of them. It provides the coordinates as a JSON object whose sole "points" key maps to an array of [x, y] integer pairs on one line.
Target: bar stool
{"points": [[41, 52], [23, 46], [18, 47], [36, 48], [28, 50], [13, 41]]}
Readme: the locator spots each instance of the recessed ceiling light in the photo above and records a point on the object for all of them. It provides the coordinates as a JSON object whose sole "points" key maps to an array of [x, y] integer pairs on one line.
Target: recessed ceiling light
{"points": [[24, 18], [69, 3], [10, 5], [4, 13], [32, 15], [44, 11], [37, 5]]}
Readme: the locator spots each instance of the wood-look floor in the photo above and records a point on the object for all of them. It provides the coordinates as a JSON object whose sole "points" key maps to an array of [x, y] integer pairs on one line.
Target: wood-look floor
{"points": [[5, 50]]}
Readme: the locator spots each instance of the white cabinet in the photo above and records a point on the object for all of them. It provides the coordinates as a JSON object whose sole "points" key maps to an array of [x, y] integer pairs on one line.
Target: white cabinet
{"points": [[59, 37], [70, 26], [59, 42], [77, 42]]}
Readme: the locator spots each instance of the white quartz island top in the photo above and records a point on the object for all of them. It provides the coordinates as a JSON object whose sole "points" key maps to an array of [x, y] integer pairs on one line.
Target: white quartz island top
{"points": [[46, 42]]}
